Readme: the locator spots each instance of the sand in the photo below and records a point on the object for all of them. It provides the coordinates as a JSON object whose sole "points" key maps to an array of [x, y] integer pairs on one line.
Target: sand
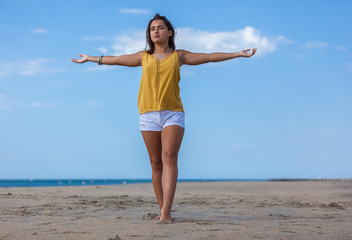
{"points": [[207, 210]]}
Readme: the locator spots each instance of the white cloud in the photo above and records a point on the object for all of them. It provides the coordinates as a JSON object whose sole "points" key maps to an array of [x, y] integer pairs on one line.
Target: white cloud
{"points": [[103, 50], [28, 67], [196, 40], [342, 48], [129, 42], [227, 41], [135, 11], [93, 38], [315, 44], [39, 30], [6, 102]]}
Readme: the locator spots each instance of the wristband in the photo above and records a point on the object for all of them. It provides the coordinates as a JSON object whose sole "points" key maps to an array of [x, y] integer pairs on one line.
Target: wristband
{"points": [[99, 60]]}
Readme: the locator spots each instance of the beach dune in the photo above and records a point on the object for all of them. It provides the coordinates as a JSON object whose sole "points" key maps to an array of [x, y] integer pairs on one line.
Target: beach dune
{"points": [[201, 210]]}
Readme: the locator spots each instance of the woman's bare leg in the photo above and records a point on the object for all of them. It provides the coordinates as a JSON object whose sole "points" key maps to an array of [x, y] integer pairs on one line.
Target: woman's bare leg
{"points": [[171, 138], [152, 140]]}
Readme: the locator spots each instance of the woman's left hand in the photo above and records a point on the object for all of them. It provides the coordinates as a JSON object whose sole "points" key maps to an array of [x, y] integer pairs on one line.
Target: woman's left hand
{"points": [[245, 53]]}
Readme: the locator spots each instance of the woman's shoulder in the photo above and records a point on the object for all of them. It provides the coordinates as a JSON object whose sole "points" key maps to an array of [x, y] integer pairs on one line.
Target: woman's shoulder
{"points": [[141, 53], [181, 52]]}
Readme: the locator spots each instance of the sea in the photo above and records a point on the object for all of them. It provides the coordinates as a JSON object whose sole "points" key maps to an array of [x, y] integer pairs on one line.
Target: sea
{"points": [[91, 182]]}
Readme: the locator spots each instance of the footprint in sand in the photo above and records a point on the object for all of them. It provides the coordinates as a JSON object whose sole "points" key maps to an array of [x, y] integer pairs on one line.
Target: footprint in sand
{"points": [[149, 216]]}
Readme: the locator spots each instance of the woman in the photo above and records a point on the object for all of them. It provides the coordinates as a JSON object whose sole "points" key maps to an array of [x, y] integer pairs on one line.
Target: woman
{"points": [[160, 107]]}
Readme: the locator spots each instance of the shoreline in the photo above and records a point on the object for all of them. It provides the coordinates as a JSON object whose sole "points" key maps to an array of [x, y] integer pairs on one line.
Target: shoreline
{"points": [[310, 179], [11, 183]]}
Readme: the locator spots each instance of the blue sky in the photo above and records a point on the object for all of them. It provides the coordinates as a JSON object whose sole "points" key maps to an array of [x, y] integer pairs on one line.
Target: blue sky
{"points": [[286, 112]]}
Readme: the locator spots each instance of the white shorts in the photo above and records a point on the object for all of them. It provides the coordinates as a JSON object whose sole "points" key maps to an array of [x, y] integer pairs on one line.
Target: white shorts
{"points": [[156, 121]]}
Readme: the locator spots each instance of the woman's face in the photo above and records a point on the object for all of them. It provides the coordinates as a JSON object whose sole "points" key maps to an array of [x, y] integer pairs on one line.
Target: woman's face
{"points": [[159, 32]]}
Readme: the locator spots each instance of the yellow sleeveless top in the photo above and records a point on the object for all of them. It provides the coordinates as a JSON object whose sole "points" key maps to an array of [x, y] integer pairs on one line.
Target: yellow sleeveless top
{"points": [[159, 88]]}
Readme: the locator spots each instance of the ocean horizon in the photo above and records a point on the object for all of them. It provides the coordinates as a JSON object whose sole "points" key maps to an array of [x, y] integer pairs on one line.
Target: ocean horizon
{"points": [[8, 183], [91, 182]]}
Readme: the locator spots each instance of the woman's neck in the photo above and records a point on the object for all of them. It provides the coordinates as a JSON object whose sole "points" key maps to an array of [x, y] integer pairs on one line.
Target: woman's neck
{"points": [[163, 49]]}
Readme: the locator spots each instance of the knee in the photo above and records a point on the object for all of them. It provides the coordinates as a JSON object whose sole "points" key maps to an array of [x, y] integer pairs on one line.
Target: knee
{"points": [[157, 164], [170, 157]]}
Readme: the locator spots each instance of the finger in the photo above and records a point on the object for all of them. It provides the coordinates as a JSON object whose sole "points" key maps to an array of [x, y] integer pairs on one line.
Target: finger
{"points": [[253, 52], [76, 60]]}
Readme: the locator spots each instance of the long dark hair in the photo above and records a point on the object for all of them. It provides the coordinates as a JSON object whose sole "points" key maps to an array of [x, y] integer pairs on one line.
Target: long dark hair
{"points": [[169, 27]]}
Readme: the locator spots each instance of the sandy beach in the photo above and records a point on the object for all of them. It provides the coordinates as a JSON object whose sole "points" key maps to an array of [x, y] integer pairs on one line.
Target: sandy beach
{"points": [[206, 210]]}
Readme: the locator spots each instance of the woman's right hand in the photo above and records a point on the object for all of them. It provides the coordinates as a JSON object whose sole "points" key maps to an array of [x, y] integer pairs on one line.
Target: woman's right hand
{"points": [[82, 60]]}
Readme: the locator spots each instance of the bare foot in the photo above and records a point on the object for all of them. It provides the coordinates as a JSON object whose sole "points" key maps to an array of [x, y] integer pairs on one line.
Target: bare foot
{"points": [[157, 217], [165, 221], [165, 217]]}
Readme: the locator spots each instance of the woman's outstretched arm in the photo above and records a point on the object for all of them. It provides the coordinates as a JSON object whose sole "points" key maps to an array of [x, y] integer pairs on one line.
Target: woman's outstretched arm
{"points": [[190, 58], [130, 60]]}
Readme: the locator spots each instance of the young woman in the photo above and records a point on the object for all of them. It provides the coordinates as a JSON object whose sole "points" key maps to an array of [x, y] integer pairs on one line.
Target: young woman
{"points": [[160, 107]]}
